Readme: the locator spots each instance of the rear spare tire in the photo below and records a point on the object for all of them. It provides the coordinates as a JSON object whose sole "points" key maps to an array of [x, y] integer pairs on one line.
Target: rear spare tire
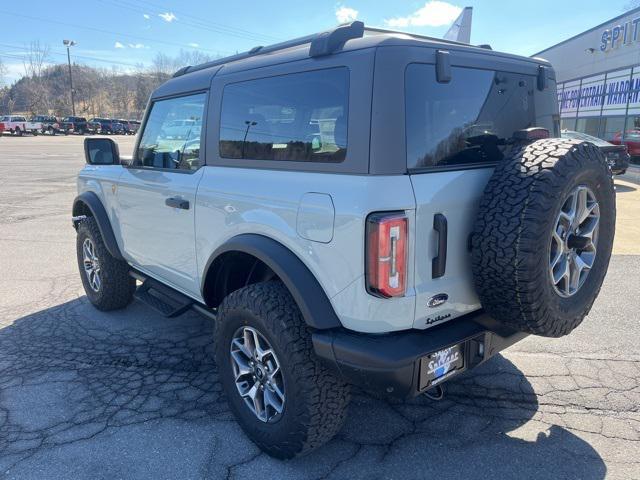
{"points": [[543, 236]]}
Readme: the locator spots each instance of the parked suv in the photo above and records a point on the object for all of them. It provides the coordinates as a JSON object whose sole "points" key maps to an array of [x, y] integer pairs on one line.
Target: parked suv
{"points": [[356, 207], [129, 127], [108, 126]]}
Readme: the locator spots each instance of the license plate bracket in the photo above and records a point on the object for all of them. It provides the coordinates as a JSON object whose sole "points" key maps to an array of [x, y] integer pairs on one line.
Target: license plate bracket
{"points": [[438, 366]]}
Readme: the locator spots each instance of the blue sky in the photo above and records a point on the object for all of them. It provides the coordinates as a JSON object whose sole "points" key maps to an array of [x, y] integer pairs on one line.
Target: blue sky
{"points": [[123, 33]]}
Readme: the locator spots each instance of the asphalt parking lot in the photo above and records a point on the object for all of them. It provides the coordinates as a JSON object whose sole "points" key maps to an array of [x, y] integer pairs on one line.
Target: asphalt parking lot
{"points": [[85, 394]]}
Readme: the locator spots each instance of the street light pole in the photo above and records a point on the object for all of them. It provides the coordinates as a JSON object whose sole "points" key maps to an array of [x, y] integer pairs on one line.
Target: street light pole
{"points": [[69, 44]]}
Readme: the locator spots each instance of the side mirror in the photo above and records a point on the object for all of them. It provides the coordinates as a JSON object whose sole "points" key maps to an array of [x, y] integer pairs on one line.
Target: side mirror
{"points": [[101, 151]]}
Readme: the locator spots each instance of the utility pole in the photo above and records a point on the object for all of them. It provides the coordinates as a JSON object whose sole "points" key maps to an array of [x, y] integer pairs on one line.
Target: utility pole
{"points": [[69, 44]]}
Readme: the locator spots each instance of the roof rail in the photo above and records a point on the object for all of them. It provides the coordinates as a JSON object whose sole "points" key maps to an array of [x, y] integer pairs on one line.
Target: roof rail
{"points": [[323, 43], [326, 43], [375, 30]]}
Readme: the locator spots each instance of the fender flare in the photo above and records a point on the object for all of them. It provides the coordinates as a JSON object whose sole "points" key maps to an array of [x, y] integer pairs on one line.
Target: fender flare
{"points": [[93, 203], [307, 292]]}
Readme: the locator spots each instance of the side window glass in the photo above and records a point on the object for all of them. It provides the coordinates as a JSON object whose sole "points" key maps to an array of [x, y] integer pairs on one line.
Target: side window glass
{"points": [[296, 117], [172, 134]]}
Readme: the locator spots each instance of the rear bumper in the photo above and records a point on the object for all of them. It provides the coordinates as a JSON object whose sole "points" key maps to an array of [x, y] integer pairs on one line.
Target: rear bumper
{"points": [[391, 364], [618, 163]]}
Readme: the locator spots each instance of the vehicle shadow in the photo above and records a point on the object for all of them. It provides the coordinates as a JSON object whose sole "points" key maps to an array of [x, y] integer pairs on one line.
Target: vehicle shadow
{"points": [[91, 388], [624, 188]]}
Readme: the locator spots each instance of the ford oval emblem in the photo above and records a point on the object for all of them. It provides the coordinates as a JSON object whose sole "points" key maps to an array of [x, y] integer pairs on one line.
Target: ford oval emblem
{"points": [[437, 300]]}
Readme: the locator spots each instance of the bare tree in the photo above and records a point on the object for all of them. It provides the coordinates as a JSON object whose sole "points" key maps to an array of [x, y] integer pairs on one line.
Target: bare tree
{"points": [[10, 105], [163, 66], [4, 91], [3, 72], [35, 62], [36, 58]]}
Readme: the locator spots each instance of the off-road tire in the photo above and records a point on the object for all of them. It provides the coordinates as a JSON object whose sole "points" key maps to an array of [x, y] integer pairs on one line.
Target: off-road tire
{"points": [[511, 240], [316, 399], [117, 286]]}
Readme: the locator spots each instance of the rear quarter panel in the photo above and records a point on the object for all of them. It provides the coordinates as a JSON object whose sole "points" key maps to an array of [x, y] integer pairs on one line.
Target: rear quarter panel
{"points": [[233, 201]]}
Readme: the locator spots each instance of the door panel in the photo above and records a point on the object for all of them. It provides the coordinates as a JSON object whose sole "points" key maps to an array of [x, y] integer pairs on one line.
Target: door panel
{"points": [[456, 195], [157, 237], [456, 132], [157, 192]]}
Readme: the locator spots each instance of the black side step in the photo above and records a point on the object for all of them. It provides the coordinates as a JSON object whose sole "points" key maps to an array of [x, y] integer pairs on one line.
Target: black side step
{"points": [[163, 299]]}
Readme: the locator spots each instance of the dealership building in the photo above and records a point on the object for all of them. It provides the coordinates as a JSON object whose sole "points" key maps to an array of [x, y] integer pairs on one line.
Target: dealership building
{"points": [[598, 75]]}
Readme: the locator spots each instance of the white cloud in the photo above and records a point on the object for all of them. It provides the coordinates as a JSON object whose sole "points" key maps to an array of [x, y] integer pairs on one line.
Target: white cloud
{"points": [[146, 16], [434, 13], [346, 14], [118, 45], [194, 45], [14, 72], [136, 45], [168, 17]]}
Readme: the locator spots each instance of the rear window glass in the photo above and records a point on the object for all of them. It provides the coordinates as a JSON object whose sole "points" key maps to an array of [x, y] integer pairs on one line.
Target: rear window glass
{"points": [[297, 117], [466, 121]]}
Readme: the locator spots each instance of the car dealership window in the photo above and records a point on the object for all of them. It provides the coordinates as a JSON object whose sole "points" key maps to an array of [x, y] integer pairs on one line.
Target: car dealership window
{"points": [[605, 105], [296, 117], [589, 125], [172, 134]]}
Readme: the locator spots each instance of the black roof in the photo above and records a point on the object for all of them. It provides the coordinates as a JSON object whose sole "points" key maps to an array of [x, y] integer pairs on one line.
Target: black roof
{"points": [[347, 37]]}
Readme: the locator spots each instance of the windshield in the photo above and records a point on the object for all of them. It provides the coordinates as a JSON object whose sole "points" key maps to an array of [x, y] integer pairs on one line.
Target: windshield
{"points": [[583, 136]]}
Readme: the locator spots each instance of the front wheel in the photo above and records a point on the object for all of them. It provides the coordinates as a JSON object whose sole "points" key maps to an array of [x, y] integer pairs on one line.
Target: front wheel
{"points": [[284, 399], [106, 280]]}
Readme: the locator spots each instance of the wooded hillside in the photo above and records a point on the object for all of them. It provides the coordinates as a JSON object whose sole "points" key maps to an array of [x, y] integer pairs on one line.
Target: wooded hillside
{"points": [[112, 93]]}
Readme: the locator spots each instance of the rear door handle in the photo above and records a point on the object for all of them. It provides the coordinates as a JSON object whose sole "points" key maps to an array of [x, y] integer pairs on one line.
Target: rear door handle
{"points": [[177, 202], [439, 262]]}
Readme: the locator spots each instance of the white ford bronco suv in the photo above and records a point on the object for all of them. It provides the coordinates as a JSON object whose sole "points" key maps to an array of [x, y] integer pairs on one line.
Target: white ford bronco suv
{"points": [[356, 207]]}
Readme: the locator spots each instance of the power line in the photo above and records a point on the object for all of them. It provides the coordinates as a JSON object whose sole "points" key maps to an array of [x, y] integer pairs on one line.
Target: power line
{"points": [[147, 39], [23, 54], [199, 23], [189, 21]]}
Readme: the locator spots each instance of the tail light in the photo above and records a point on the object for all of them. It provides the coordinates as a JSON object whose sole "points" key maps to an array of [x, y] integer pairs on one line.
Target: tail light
{"points": [[386, 252], [530, 134]]}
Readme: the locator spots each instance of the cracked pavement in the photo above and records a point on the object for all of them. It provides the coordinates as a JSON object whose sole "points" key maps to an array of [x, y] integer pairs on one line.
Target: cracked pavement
{"points": [[129, 394]]}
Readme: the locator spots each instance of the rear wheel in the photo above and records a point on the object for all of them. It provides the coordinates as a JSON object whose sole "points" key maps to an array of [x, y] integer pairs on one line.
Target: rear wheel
{"points": [[284, 399]]}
